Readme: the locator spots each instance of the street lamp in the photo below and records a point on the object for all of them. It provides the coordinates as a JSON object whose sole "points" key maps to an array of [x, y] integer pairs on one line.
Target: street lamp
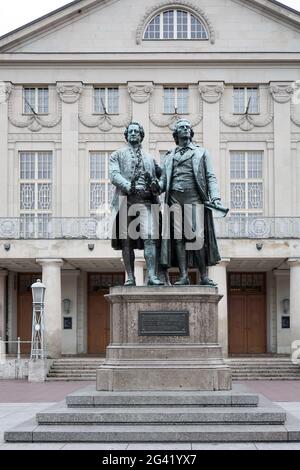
{"points": [[38, 292], [37, 339], [67, 305]]}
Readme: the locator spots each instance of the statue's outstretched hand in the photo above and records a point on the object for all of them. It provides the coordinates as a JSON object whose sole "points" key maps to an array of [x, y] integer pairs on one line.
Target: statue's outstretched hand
{"points": [[154, 187], [218, 203]]}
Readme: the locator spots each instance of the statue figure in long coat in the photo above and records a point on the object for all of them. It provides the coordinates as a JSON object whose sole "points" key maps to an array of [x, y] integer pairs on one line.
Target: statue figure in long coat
{"points": [[189, 182], [134, 174]]}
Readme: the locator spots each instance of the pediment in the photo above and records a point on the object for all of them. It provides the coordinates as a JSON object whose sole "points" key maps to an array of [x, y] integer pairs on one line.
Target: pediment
{"points": [[103, 26]]}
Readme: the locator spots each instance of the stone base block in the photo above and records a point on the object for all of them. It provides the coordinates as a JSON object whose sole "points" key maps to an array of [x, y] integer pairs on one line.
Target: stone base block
{"points": [[164, 338], [37, 371], [163, 378]]}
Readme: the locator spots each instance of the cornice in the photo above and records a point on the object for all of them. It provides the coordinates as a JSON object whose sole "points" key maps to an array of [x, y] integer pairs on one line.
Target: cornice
{"points": [[165, 59]]}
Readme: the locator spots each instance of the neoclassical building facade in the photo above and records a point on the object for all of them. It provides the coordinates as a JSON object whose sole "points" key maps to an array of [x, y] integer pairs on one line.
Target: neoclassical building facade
{"points": [[69, 84]]}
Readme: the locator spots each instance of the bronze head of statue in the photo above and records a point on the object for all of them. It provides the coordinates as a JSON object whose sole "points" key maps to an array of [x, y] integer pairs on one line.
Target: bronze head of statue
{"points": [[183, 132], [133, 130]]}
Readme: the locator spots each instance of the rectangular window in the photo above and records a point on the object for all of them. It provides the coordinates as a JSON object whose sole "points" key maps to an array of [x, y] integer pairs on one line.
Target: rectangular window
{"points": [[35, 180], [106, 99], [36, 100], [246, 185], [245, 99], [176, 100], [101, 190]]}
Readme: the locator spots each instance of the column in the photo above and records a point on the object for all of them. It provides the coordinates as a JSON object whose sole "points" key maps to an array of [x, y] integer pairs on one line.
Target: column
{"points": [[139, 266], [211, 94], [69, 93], [140, 93], [282, 94], [70, 292], [294, 264], [3, 275], [283, 336], [5, 90], [53, 324], [219, 274]]}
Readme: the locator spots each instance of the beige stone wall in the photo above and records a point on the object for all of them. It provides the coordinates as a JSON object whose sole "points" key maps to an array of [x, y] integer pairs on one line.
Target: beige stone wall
{"points": [[233, 24], [250, 47]]}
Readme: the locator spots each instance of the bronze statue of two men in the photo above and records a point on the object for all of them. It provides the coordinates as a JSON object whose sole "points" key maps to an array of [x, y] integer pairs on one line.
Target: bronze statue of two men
{"points": [[181, 234]]}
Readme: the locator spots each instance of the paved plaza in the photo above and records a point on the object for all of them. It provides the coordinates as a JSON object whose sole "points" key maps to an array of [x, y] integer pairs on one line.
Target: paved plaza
{"points": [[20, 401]]}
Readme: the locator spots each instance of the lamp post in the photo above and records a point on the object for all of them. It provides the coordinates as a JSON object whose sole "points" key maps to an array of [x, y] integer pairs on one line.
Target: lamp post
{"points": [[37, 339]]}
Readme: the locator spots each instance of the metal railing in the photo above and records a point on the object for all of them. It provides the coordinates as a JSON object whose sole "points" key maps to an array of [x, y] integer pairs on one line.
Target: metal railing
{"points": [[18, 342], [98, 228], [258, 227]]}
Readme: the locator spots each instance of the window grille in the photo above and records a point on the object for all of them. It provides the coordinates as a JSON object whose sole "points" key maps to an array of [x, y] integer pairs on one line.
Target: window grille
{"points": [[244, 98], [108, 98], [176, 100], [101, 190], [175, 24], [246, 185], [35, 182], [36, 100]]}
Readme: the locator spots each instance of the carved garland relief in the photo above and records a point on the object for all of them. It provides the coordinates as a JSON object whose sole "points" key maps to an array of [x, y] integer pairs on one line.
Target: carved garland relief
{"points": [[33, 122], [142, 93], [105, 122]]}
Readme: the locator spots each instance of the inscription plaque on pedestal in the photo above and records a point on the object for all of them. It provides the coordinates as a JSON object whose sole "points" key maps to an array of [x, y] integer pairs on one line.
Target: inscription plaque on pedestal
{"points": [[163, 324]]}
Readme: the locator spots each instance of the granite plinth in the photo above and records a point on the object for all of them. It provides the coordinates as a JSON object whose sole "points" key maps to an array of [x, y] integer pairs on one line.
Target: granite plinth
{"points": [[158, 360]]}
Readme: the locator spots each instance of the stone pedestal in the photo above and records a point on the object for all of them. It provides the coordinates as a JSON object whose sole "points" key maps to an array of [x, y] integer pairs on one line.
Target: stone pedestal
{"points": [[164, 338], [37, 370]]}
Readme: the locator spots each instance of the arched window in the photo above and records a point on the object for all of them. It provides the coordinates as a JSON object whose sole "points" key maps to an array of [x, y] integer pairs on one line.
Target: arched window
{"points": [[175, 24]]}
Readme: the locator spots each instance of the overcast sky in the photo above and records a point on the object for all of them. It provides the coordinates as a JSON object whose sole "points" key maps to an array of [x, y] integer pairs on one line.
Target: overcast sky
{"points": [[15, 13]]}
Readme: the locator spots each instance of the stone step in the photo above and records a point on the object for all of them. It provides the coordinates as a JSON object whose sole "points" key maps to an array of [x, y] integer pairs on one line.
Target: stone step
{"points": [[241, 378], [154, 415], [243, 372], [70, 379], [160, 417], [265, 366], [71, 371], [79, 360], [295, 368], [74, 376], [30, 432], [258, 360], [75, 366], [89, 397]]}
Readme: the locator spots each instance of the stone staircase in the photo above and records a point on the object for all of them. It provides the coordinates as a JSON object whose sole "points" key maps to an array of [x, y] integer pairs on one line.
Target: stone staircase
{"points": [[264, 368], [243, 368], [79, 368], [88, 415]]}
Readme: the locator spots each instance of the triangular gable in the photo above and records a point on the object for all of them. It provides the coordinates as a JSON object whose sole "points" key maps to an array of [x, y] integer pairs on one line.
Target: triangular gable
{"points": [[69, 12], [75, 11]]}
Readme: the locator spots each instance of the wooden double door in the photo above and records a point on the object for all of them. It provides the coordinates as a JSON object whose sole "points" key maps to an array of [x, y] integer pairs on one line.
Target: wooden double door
{"points": [[247, 313], [99, 310]]}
